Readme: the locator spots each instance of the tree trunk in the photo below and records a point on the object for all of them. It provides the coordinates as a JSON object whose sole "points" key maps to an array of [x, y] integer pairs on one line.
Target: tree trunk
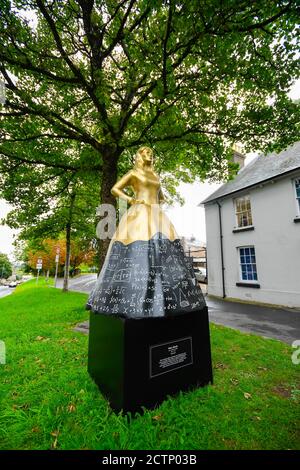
{"points": [[68, 242], [67, 262], [109, 178]]}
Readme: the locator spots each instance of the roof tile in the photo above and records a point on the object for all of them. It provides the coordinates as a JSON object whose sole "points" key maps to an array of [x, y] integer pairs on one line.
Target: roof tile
{"points": [[262, 168]]}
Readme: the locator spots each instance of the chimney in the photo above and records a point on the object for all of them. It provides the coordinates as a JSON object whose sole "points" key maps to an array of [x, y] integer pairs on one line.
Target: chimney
{"points": [[238, 157]]}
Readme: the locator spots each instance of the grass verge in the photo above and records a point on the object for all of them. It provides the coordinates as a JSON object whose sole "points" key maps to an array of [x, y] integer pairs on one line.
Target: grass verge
{"points": [[48, 401]]}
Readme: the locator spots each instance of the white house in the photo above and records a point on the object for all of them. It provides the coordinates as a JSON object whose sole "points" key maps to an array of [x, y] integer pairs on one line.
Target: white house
{"points": [[253, 232]]}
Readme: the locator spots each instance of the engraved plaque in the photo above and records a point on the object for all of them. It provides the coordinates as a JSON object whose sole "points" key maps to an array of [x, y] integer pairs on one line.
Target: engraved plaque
{"points": [[166, 357]]}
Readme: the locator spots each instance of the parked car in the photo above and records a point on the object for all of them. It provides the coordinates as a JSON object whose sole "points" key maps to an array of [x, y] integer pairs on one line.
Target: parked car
{"points": [[12, 284], [200, 274]]}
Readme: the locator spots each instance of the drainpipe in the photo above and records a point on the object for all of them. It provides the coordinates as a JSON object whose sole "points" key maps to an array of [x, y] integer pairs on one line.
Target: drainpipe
{"points": [[206, 267], [221, 247]]}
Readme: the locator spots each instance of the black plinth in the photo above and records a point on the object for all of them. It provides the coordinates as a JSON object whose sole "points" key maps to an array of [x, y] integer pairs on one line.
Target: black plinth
{"points": [[138, 362]]}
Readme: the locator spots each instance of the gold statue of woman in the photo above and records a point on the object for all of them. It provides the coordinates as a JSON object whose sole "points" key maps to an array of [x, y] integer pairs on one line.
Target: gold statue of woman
{"points": [[145, 217], [145, 273]]}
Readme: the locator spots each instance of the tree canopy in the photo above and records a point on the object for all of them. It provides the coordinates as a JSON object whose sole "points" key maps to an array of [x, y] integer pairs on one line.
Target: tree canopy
{"points": [[5, 266], [47, 251], [50, 204], [106, 76], [118, 74]]}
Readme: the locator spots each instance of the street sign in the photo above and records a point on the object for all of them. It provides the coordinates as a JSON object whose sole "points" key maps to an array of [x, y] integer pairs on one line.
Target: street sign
{"points": [[39, 266], [40, 261], [57, 258]]}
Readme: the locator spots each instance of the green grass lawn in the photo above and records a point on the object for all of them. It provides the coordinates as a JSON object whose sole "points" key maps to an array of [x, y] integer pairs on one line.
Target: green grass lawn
{"points": [[47, 399]]}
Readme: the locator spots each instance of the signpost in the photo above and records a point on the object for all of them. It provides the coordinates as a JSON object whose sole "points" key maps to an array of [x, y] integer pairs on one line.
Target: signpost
{"points": [[56, 267], [39, 266]]}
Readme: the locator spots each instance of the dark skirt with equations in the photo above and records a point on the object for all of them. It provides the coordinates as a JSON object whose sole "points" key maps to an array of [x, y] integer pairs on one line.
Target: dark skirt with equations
{"points": [[151, 278]]}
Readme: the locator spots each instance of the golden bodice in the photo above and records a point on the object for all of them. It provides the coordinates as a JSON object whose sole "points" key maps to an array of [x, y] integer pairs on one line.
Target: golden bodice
{"points": [[145, 187], [145, 218]]}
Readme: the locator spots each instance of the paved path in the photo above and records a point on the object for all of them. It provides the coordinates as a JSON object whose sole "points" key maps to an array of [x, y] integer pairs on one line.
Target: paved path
{"points": [[4, 291], [84, 283], [281, 324]]}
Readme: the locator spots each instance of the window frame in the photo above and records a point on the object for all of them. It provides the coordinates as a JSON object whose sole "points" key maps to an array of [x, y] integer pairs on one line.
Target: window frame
{"points": [[296, 181], [240, 213], [250, 263]]}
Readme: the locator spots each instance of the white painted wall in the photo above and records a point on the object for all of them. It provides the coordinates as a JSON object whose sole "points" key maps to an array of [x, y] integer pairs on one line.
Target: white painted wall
{"points": [[276, 238]]}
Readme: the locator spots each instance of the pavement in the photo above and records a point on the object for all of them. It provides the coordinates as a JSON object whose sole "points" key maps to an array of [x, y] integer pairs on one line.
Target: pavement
{"points": [[4, 291], [277, 323]]}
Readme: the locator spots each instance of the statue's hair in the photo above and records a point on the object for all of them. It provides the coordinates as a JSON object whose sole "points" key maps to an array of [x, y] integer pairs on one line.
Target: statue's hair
{"points": [[138, 157]]}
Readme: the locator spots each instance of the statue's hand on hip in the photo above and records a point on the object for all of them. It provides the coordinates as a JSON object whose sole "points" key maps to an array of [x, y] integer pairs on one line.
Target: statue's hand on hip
{"points": [[137, 201]]}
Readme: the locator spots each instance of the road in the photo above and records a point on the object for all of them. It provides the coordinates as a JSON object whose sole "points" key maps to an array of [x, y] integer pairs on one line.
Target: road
{"points": [[281, 324], [84, 283], [4, 291]]}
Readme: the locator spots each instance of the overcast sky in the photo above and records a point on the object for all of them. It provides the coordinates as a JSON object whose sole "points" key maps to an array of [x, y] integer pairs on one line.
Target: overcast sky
{"points": [[188, 219]]}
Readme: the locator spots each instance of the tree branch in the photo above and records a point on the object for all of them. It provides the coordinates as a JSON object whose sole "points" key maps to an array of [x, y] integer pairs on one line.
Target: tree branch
{"points": [[139, 19], [67, 127], [159, 112], [165, 52], [37, 161], [35, 137], [99, 106], [142, 97], [48, 115], [264, 23], [29, 66], [120, 31]]}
